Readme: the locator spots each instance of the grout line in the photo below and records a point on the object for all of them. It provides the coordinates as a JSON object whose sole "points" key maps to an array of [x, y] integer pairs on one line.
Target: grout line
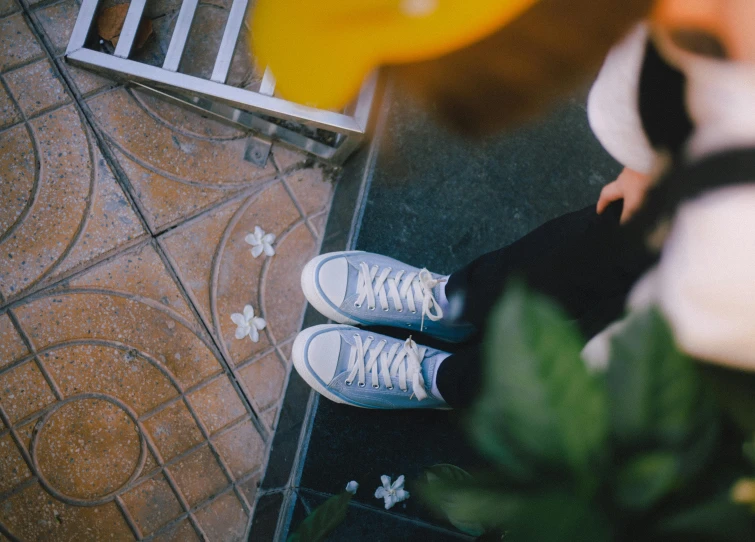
{"points": [[129, 519], [40, 366], [302, 213]]}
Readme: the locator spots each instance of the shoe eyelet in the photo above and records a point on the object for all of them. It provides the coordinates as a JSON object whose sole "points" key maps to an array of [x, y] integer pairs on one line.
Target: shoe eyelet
{"points": [[372, 308], [349, 383], [386, 310], [400, 310], [414, 312], [391, 388], [359, 306], [371, 337], [361, 385], [376, 387]]}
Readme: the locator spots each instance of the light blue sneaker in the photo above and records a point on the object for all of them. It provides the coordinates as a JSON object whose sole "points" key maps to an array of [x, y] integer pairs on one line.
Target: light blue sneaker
{"points": [[369, 289], [352, 366]]}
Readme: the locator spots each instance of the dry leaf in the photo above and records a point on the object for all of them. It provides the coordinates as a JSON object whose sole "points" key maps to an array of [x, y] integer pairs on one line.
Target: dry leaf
{"points": [[110, 24]]}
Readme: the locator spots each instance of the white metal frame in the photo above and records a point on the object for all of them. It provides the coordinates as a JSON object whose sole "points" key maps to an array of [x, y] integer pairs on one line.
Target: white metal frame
{"points": [[240, 106]]}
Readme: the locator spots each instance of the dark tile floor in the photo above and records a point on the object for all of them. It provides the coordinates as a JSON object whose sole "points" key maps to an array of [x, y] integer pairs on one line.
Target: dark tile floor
{"points": [[434, 199]]}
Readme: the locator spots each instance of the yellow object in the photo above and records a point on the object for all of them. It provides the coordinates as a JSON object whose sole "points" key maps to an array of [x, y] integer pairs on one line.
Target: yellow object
{"points": [[320, 51]]}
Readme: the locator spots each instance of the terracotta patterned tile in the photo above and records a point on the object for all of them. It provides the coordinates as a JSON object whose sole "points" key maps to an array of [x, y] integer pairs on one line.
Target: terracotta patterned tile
{"points": [[263, 380], [319, 222], [8, 112], [108, 318], [199, 476], [13, 468], [36, 87], [17, 44], [193, 246], [284, 302], [180, 532], [270, 418], [152, 504], [57, 22], [86, 81], [150, 465], [32, 515], [67, 208], [119, 372], [241, 448], [111, 221], [24, 391], [217, 266], [312, 188], [250, 487], [12, 347], [287, 158], [217, 404], [223, 519], [25, 433], [18, 163], [173, 430], [139, 271], [88, 448], [286, 349], [174, 172], [8, 6]]}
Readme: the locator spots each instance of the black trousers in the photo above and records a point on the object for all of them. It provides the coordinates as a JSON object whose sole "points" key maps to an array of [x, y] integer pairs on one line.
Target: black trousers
{"points": [[582, 260]]}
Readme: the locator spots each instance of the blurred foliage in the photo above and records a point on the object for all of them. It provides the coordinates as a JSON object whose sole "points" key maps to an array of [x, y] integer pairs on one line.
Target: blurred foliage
{"points": [[323, 520], [642, 451]]}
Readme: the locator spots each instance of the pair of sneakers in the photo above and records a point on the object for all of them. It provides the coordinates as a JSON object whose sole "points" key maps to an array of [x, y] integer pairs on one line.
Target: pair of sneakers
{"points": [[350, 365]]}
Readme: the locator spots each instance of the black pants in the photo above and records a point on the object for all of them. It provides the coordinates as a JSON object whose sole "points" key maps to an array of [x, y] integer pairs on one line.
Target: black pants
{"points": [[582, 260]]}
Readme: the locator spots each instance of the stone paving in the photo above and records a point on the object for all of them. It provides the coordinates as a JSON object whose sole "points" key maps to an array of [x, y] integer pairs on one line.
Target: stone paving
{"points": [[128, 409]]}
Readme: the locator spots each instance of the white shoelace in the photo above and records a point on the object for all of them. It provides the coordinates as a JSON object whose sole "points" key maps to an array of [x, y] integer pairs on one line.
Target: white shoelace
{"points": [[404, 361], [403, 286]]}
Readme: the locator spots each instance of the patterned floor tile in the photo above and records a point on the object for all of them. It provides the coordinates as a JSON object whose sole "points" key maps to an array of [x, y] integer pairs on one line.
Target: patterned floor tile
{"points": [[177, 162], [127, 407], [217, 268], [36, 88], [17, 43], [8, 6], [64, 207], [121, 382]]}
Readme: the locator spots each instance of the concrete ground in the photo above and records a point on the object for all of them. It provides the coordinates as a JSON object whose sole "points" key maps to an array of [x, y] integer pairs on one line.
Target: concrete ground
{"points": [[128, 409]]}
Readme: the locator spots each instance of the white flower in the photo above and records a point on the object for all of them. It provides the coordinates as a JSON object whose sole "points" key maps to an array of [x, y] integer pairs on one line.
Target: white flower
{"points": [[391, 493], [248, 324], [260, 242], [352, 487]]}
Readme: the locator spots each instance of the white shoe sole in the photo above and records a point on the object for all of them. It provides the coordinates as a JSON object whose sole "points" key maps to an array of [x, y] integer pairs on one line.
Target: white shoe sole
{"points": [[298, 355], [309, 287]]}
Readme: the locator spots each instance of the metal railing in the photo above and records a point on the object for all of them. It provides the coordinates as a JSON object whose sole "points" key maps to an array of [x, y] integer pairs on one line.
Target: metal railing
{"points": [[255, 111]]}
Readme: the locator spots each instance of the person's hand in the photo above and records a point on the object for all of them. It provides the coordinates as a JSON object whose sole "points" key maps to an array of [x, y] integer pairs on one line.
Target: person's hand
{"points": [[631, 186]]}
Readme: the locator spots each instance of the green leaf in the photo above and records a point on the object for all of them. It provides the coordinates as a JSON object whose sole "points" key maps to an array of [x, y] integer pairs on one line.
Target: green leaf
{"points": [[715, 520], [323, 519], [540, 404], [655, 391], [749, 450], [646, 479], [447, 504], [557, 517], [526, 517]]}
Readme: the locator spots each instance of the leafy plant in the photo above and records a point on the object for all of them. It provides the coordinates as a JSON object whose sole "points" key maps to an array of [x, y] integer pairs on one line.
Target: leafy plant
{"points": [[323, 520], [639, 452]]}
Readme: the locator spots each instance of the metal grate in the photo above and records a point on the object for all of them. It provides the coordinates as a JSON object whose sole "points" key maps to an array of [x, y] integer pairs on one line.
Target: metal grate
{"points": [[260, 112]]}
